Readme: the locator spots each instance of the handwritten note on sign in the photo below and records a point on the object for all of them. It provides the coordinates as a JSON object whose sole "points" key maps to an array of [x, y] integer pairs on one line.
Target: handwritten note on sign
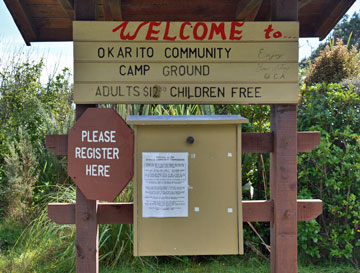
{"points": [[186, 62]]}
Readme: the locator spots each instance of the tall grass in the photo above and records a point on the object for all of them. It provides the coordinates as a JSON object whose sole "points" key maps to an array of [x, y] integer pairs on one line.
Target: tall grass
{"points": [[44, 246]]}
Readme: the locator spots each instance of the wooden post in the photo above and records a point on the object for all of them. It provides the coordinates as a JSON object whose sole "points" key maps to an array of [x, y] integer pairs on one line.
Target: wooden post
{"points": [[283, 189], [283, 169], [87, 234], [86, 223]]}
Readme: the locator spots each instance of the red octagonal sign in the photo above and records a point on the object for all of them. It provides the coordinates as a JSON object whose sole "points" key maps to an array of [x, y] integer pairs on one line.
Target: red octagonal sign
{"points": [[101, 154]]}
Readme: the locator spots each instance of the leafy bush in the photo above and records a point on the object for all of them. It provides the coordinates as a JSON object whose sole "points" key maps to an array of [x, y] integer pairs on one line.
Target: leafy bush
{"points": [[353, 83], [29, 110], [21, 171], [332, 171], [335, 63]]}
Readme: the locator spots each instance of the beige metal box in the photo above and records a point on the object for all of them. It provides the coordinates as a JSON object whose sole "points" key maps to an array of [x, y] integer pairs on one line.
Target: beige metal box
{"points": [[187, 185]]}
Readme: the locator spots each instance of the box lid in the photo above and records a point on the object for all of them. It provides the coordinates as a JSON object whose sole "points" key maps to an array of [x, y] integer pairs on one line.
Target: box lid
{"points": [[186, 120]]}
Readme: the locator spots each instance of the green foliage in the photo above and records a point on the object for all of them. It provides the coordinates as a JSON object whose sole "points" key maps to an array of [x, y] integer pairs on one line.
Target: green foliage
{"points": [[335, 63], [28, 175], [332, 171], [346, 30], [21, 171], [44, 246], [28, 111]]}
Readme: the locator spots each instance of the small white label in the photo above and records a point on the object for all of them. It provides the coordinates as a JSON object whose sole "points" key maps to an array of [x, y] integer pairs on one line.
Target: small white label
{"points": [[196, 209], [230, 210], [193, 155], [229, 154]]}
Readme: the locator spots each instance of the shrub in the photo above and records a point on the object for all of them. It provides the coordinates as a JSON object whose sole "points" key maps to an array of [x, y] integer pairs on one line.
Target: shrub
{"points": [[29, 109], [21, 170], [331, 172], [335, 63]]}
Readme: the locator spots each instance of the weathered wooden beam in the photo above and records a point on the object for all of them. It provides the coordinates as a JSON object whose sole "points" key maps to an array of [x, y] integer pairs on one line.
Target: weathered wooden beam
{"points": [[107, 11], [86, 10], [86, 214], [68, 7], [122, 213], [283, 189], [307, 141], [86, 234], [304, 3], [247, 9], [257, 142], [284, 10], [332, 15], [57, 144], [308, 209], [112, 10], [283, 168], [251, 142], [22, 20]]}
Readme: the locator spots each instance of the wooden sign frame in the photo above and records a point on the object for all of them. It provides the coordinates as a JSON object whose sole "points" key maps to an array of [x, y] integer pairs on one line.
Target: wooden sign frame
{"points": [[283, 210]]}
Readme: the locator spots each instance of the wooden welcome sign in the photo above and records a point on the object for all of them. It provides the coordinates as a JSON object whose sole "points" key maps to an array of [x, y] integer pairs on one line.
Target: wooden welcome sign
{"points": [[186, 62]]}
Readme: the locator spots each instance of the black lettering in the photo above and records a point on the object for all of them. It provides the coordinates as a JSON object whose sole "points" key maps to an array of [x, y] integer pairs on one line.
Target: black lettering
{"points": [[122, 73], [110, 53], [98, 92], [101, 52], [257, 91]]}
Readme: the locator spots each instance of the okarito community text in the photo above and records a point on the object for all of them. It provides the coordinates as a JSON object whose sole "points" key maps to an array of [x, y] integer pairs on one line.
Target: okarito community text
{"points": [[119, 52]]}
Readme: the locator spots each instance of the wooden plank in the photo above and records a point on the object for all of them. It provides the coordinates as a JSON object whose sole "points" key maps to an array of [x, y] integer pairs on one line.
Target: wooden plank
{"points": [[210, 93], [283, 189], [220, 52], [332, 15], [47, 11], [115, 9], [247, 10], [307, 141], [304, 3], [159, 73], [57, 144], [258, 211], [86, 211], [308, 210], [251, 142], [284, 10], [54, 24], [122, 213], [86, 10], [22, 19], [87, 234], [257, 142], [48, 34], [62, 213], [68, 7], [41, 2], [283, 168], [185, 31], [107, 11]]}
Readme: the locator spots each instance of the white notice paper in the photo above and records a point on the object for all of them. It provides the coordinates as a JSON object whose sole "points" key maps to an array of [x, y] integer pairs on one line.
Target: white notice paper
{"points": [[165, 185]]}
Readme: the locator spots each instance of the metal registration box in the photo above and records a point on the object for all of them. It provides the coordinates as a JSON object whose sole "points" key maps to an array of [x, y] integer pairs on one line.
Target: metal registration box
{"points": [[187, 185]]}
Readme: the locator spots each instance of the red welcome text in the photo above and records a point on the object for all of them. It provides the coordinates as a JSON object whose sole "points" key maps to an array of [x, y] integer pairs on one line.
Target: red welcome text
{"points": [[198, 31]]}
